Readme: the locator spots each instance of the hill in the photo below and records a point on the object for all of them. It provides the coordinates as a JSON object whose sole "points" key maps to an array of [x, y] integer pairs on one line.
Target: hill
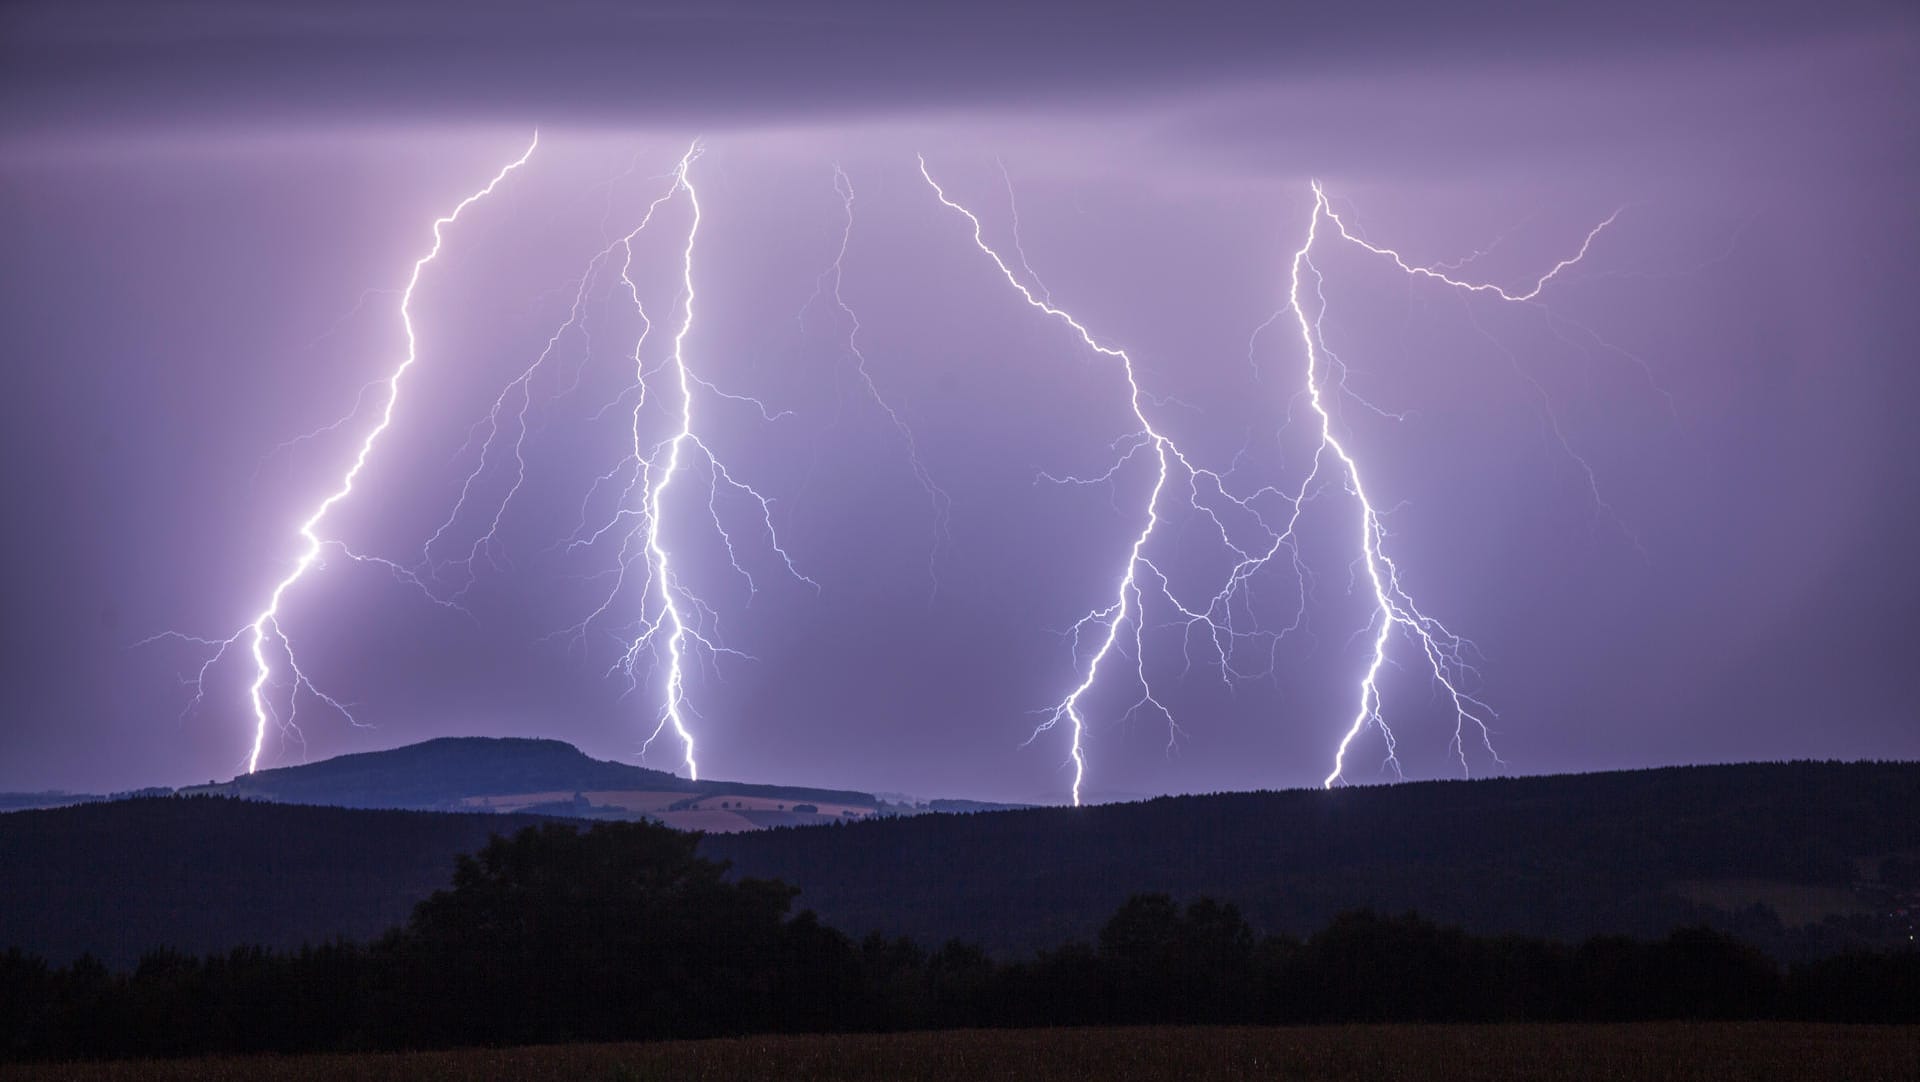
{"points": [[1801, 858], [546, 777], [540, 777]]}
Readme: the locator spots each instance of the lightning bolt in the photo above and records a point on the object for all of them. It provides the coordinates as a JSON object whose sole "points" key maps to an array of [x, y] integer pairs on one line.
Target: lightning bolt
{"points": [[675, 625], [1441, 649], [265, 638], [1106, 623], [830, 284]]}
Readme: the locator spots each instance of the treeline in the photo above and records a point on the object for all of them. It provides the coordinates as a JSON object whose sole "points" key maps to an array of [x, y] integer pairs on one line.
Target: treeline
{"points": [[622, 932]]}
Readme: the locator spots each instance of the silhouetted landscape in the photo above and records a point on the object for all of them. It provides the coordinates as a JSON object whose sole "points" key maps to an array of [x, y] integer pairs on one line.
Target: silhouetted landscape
{"points": [[621, 931], [1799, 859], [210, 922], [174, 924]]}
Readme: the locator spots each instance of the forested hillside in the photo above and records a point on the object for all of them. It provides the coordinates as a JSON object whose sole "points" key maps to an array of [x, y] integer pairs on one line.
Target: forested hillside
{"points": [[1639, 852]]}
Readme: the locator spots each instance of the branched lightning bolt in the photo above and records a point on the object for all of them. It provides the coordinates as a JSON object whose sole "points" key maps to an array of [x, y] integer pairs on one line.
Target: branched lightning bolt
{"points": [[1213, 620], [264, 634], [1442, 650], [674, 623]]}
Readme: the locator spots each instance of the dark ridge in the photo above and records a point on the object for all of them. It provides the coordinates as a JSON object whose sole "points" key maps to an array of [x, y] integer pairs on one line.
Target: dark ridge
{"points": [[1563, 857], [202, 874]]}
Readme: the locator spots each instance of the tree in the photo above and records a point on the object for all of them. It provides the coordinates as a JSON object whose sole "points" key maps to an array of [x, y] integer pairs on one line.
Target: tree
{"points": [[1170, 966], [615, 931]]}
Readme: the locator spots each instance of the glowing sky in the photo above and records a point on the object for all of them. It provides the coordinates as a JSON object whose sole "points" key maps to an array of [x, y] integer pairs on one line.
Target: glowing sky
{"points": [[197, 204]]}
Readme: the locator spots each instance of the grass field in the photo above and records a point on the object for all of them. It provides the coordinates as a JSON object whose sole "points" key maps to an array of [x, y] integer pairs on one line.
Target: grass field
{"points": [[1747, 1052]]}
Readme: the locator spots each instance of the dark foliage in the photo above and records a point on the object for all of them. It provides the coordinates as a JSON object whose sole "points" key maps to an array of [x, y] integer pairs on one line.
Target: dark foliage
{"points": [[621, 931], [618, 931]]}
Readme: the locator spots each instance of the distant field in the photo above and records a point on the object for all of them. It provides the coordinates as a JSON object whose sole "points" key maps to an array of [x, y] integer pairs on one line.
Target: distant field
{"points": [[638, 800], [1796, 904], [713, 821], [513, 802], [1679, 1052], [767, 803], [715, 813]]}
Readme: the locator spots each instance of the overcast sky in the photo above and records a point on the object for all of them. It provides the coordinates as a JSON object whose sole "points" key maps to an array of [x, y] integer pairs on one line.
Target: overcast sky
{"points": [[1671, 503]]}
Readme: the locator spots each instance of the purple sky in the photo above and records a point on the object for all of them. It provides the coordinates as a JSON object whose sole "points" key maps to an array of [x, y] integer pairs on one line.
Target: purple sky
{"points": [[197, 200]]}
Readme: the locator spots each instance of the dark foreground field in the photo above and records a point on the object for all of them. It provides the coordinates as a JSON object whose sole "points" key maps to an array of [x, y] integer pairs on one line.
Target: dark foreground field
{"points": [[1709, 1052]]}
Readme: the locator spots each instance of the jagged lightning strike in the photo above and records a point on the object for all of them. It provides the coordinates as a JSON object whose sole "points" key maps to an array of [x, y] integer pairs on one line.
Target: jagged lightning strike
{"points": [[1394, 608], [674, 622], [265, 629], [1125, 610]]}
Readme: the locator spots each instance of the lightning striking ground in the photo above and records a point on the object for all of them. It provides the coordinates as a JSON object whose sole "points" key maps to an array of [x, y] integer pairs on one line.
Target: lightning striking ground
{"points": [[1443, 651], [675, 626], [265, 633], [674, 623], [1125, 610]]}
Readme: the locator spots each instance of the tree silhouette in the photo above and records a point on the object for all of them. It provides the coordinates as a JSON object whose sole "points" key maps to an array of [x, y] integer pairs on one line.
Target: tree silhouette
{"points": [[617, 930]]}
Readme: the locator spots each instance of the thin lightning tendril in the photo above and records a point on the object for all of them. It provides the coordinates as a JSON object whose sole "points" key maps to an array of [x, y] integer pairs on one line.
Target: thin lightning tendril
{"points": [[939, 502], [487, 544]]}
